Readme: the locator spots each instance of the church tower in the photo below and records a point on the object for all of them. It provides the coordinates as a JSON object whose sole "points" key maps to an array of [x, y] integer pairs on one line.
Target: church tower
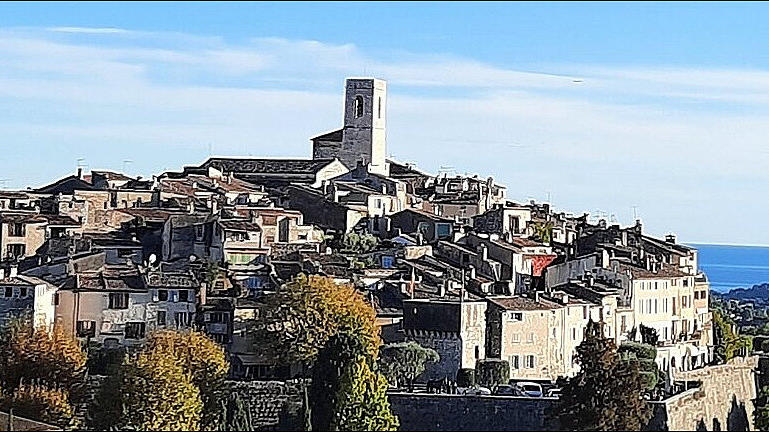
{"points": [[362, 137]]}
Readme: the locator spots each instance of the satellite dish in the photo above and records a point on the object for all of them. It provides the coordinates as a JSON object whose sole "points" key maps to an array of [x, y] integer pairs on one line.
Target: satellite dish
{"points": [[193, 258], [152, 259]]}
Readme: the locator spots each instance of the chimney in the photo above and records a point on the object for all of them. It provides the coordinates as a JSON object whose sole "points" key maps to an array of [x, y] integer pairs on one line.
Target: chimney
{"points": [[442, 289], [14, 271], [590, 279], [80, 173], [472, 272], [536, 296], [325, 187], [565, 298], [484, 252], [670, 238]]}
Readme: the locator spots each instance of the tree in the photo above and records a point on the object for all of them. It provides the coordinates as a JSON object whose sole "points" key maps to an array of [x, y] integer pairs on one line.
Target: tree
{"points": [[645, 356], [30, 354], [362, 402], [492, 372], [157, 394], [49, 405], [466, 377], [761, 412], [403, 362], [649, 335], [359, 244], [203, 359], [606, 393], [309, 310], [543, 232], [345, 393], [728, 344]]}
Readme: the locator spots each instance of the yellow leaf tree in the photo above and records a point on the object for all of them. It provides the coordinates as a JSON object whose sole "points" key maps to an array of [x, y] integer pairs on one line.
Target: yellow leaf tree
{"points": [[203, 359], [158, 394], [30, 354], [43, 404], [309, 310]]}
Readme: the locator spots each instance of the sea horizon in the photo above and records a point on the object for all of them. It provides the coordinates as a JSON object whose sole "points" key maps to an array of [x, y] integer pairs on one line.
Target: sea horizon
{"points": [[730, 266]]}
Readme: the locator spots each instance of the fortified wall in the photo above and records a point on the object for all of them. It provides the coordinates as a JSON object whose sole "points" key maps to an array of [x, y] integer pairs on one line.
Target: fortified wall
{"points": [[723, 401]]}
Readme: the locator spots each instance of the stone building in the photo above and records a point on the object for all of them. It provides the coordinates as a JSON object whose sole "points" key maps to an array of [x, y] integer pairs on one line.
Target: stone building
{"points": [[456, 329], [22, 295]]}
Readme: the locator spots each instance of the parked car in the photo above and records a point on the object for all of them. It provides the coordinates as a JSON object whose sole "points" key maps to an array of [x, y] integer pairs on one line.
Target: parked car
{"points": [[475, 391], [553, 393], [530, 389], [508, 390]]}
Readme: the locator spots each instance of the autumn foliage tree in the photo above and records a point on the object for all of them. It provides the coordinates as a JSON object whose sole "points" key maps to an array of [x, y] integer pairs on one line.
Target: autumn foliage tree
{"points": [[331, 327], [50, 358], [203, 359], [158, 394], [606, 394], [42, 372], [49, 405]]}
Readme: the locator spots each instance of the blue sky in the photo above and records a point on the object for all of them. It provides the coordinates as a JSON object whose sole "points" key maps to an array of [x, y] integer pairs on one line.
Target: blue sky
{"points": [[657, 109]]}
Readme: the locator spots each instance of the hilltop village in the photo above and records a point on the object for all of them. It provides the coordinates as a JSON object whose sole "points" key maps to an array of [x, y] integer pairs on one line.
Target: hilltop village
{"points": [[446, 261]]}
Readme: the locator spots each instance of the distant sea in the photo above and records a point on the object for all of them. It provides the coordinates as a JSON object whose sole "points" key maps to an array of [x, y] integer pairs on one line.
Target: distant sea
{"points": [[729, 267]]}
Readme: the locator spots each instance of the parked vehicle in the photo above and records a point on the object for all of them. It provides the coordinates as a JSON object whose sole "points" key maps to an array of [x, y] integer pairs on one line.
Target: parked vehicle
{"points": [[530, 389], [475, 391], [508, 390], [554, 393]]}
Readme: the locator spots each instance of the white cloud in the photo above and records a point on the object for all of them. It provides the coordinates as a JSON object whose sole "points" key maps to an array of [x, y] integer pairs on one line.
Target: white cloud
{"points": [[684, 145]]}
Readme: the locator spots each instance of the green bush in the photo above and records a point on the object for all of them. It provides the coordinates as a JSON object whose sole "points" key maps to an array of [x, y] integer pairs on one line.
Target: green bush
{"points": [[466, 377], [492, 372]]}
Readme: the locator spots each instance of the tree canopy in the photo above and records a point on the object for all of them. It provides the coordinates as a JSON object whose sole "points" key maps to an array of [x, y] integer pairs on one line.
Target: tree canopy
{"points": [[403, 362], [606, 394], [307, 311]]}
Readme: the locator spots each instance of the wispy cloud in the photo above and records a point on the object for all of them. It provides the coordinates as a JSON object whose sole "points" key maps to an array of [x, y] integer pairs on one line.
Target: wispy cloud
{"points": [[678, 143], [91, 30]]}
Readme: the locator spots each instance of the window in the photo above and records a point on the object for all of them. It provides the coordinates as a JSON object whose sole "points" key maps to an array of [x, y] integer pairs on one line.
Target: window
{"points": [[655, 305], [23, 292], [530, 338], [56, 299], [161, 318], [9, 291], [623, 324], [219, 338], [118, 300], [516, 337], [517, 316], [379, 107], [199, 232], [16, 229], [163, 295], [515, 362], [358, 106], [529, 362], [477, 352], [686, 282], [584, 312], [573, 333], [182, 319], [217, 317], [184, 296], [674, 282], [86, 328], [134, 330], [16, 250]]}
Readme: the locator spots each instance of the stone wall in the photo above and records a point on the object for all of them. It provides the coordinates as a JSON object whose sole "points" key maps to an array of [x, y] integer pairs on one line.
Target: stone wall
{"points": [[274, 405], [441, 412], [723, 400]]}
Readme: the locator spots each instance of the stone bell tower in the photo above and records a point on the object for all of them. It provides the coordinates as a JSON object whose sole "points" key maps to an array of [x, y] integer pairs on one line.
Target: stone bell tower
{"points": [[365, 117]]}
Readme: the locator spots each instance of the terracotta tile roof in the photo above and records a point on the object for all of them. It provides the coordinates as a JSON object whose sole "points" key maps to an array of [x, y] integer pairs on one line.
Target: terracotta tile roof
{"points": [[330, 136], [663, 272], [239, 225]]}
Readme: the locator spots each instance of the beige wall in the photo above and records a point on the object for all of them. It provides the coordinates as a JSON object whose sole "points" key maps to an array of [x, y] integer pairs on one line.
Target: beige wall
{"points": [[34, 237]]}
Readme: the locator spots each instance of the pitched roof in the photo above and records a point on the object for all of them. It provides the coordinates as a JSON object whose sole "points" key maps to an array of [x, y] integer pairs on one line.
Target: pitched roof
{"points": [[520, 303], [330, 136], [66, 186], [239, 225], [266, 166]]}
